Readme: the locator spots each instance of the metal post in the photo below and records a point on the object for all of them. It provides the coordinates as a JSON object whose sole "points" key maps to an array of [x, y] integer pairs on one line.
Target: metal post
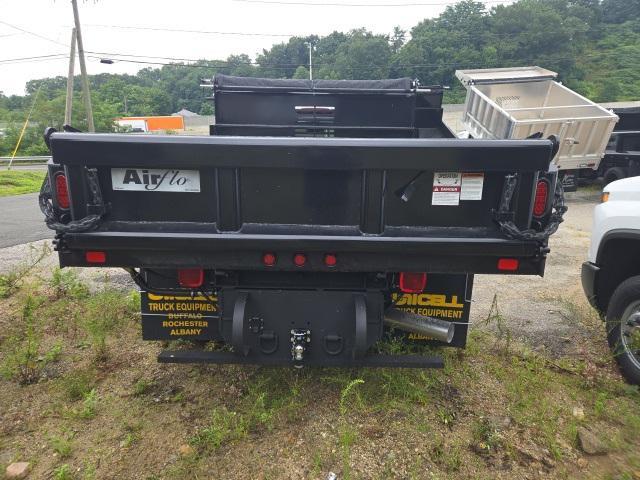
{"points": [[310, 63], [72, 60], [83, 68]]}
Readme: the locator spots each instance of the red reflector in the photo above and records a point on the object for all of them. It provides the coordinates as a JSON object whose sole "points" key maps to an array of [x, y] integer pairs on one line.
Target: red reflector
{"points": [[191, 277], [330, 260], [540, 202], [413, 282], [508, 264], [95, 257], [62, 192], [299, 259], [269, 259]]}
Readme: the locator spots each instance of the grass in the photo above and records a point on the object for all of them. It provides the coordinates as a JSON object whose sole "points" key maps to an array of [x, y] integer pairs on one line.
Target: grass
{"points": [[105, 401], [18, 182]]}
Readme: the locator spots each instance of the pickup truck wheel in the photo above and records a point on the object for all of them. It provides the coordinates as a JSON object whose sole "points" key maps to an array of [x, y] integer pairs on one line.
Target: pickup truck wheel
{"points": [[623, 326], [613, 174]]}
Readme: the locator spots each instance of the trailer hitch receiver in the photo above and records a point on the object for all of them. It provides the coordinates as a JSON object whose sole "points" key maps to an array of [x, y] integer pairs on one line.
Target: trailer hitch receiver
{"points": [[300, 341]]}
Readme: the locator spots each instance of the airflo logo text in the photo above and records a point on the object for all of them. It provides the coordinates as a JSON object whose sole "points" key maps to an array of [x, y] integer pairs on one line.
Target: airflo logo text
{"points": [[155, 180]]}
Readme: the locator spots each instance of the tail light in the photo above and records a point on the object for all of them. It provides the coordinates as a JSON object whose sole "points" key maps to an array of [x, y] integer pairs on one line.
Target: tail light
{"points": [[62, 191], [413, 282], [269, 259], [95, 257], [330, 260], [191, 277], [299, 259], [508, 264], [540, 201]]}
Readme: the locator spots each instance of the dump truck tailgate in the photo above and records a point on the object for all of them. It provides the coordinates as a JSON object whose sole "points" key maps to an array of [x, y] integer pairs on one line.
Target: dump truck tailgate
{"points": [[221, 202]]}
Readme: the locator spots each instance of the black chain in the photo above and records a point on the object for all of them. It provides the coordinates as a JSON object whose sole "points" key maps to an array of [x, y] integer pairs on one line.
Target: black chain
{"points": [[509, 228], [52, 218]]}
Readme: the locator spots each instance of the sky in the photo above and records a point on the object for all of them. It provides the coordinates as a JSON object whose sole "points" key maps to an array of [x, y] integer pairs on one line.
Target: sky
{"points": [[36, 28]]}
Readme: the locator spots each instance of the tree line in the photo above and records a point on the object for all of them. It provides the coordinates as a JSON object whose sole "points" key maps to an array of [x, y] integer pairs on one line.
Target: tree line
{"points": [[594, 45]]}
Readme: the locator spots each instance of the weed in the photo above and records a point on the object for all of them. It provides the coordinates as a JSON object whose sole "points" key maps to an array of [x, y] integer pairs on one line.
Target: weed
{"points": [[141, 387], [89, 404], [53, 354], [10, 282], [129, 439], [260, 414], [63, 472], [347, 435], [486, 436], [600, 404], [67, 284], [77, 384], [61, 445], [346, 391], [225, 426], [453, 459], [503, 332], [102, 313], [346, 439], [23, 363], [89, 472], [316, 465], [446, 416]]}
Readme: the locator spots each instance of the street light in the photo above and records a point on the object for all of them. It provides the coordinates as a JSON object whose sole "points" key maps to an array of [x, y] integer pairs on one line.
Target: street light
{"points": [[310, 63]]}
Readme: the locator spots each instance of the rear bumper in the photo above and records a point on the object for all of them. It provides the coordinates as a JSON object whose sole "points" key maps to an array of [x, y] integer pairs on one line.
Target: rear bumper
{"points": [[589, 276], [355, 253]]}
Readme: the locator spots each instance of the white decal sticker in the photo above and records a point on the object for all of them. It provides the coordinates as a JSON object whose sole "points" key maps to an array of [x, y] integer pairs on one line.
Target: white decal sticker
{"points": [[155, 180], [446, 188], [471, 188]]}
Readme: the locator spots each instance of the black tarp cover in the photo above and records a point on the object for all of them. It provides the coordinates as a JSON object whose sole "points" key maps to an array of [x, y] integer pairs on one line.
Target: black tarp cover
{"points": [[227, 81]]}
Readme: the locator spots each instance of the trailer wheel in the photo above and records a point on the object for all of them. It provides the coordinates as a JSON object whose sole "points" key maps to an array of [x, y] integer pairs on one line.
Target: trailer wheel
{"points": [[623, 327], [613, 174]]}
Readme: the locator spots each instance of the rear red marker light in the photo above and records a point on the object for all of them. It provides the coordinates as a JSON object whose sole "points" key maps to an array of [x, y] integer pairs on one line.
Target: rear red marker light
{"points": [[269, 259], [330, 260], [191, 277], [62, 192], [413, 282], [540, 201], [508, 264], [95, 257], [299, 259]]}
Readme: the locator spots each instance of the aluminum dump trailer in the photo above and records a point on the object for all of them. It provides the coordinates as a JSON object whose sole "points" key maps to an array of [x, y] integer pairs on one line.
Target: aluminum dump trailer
{"points": [[515, 103]]}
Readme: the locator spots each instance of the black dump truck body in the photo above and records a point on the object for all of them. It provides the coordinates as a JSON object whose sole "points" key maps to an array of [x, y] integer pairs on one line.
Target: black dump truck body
{"points": [[307, 227], [622, 156]]}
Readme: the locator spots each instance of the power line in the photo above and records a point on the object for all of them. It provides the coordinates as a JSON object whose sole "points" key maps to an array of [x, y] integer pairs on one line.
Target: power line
{"points": [[393, 5], [183, 30], [38, 57], [42, 37], [216, 64]]}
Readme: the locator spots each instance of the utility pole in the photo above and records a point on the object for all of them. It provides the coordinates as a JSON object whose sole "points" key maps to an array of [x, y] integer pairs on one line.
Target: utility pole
{"points": [[310, 63], [83, 68], [72, 60]]}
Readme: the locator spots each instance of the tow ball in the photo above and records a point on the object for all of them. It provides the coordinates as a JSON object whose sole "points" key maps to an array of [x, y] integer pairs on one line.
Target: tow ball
{"points": [[300, 340]]}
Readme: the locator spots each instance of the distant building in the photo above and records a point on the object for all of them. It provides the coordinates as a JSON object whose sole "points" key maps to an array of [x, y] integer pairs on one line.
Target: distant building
{"points": [[184, 113], [152, 124]]}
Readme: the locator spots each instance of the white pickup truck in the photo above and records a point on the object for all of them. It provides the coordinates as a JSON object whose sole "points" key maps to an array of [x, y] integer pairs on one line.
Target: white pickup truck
{"points": [[611, 276]]}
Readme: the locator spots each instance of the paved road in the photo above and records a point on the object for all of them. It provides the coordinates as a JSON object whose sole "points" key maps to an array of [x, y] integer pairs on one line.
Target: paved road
{"points": [[21, 220]]}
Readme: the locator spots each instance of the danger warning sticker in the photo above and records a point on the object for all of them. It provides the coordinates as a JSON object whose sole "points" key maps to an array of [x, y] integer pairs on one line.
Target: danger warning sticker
{"points": [[471, 188], [446, 188]]}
